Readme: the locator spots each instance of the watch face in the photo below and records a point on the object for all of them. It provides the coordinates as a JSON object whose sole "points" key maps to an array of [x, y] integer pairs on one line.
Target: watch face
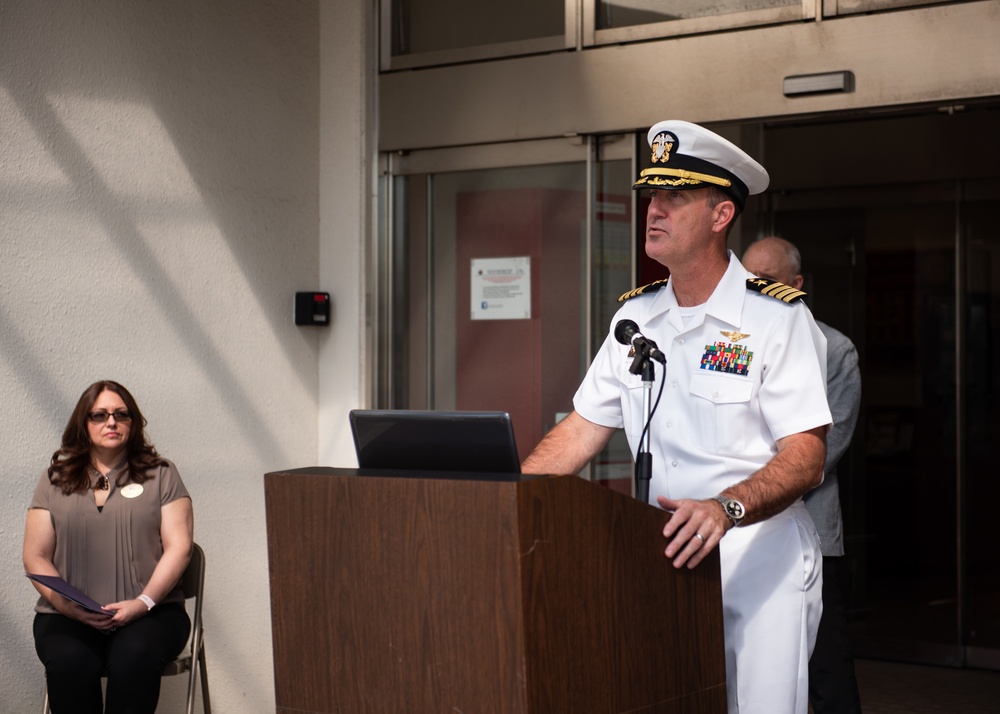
{"points": [[735, 509]]}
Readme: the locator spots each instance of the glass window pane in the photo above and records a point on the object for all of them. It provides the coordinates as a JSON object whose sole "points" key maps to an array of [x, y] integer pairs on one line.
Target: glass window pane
{"points": [[982, 415], [450, 350], [626, 13], [909, 383], [435, 25], [612, 276], [468, 338], [846, 7], [899, 575]]}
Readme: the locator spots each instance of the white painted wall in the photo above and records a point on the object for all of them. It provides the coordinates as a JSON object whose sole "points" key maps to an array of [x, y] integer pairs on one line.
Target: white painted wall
{"points": [[160, 203], [347, 209]]}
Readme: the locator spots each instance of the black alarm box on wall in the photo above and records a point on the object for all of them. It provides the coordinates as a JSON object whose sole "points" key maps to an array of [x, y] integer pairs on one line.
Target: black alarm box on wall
{"points": [[312, 308]]}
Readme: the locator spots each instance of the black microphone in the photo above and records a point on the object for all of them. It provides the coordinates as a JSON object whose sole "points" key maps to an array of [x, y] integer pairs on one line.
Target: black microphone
{"points": [[627, 332]]}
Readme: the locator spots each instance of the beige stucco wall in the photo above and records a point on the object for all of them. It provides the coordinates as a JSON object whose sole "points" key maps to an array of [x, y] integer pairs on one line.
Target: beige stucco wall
{"points": [[348, 204], [160, 205]]}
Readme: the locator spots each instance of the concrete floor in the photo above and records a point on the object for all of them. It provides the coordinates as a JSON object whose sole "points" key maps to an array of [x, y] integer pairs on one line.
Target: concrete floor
{"points": [[894, 688]]}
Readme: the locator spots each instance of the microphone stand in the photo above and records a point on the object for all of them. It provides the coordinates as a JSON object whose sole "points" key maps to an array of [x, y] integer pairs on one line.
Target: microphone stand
{"points": [[643, 457]]}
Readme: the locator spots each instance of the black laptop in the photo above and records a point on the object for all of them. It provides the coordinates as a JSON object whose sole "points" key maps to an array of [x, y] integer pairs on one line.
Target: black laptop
{"points": [[431, 441]]}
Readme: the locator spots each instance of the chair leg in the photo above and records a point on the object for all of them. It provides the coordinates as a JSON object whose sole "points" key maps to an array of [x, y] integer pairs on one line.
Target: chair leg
{"points": [[189, 704], [198, 671], [45, 704], [206, 702]]}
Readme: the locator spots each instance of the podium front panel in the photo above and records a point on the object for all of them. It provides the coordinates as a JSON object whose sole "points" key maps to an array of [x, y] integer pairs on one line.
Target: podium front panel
{"points": [[613, 627], [392, 594]]}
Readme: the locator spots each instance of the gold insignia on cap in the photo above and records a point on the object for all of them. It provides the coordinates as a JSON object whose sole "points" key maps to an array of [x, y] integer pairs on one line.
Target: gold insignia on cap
{"points": [[734, 335], [656, 177], [662, 144]]}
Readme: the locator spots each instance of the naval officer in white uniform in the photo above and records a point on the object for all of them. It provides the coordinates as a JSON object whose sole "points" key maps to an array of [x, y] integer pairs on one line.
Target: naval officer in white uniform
{"points": [[738, 436]]}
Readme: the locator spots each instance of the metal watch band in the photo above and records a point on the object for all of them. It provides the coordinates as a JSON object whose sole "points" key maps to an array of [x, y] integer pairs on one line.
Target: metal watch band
{"points": [[724, 501]]}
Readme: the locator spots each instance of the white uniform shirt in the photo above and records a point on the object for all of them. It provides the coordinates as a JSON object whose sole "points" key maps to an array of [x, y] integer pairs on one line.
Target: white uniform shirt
{"points": [[726, 401], [713, 428]]}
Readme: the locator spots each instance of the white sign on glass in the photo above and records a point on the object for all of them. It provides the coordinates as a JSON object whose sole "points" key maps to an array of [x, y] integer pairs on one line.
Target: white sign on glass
{"points": [[501, 288]]}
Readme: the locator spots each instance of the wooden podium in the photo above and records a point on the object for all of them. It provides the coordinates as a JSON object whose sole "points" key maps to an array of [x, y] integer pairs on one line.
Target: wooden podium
{"points": [[395, 594]]}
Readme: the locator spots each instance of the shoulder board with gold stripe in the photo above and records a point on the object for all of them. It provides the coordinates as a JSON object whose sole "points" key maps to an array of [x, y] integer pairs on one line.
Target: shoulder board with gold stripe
{"points": [[772, 288], [651, 288]]}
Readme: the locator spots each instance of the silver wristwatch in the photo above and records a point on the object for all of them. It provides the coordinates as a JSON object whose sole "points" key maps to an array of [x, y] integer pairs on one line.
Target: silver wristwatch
{"points": [[733, 509]]}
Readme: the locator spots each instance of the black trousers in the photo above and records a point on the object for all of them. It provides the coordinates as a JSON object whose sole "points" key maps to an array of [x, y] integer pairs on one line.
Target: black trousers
{"points": [[76, 656], [833, 688]]}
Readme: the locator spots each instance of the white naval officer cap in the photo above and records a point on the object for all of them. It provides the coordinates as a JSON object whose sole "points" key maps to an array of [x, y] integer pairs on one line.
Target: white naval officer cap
{"points": [[687, 156]]}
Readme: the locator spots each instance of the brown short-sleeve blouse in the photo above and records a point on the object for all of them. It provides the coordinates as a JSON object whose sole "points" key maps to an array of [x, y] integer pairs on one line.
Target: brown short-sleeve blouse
{"points": [[111, 553]]}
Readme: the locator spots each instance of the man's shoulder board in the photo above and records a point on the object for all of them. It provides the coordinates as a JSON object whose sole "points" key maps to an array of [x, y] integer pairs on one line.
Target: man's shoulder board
{"points": [[651, 288], [772, 288]]}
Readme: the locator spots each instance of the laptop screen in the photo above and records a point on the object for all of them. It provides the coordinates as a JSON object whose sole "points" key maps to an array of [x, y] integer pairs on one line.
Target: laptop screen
{"points": [[435, 440]]}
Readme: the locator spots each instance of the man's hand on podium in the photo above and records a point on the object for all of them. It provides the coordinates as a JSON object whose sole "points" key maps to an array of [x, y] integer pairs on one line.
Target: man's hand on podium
{"points": [[694, 528]]}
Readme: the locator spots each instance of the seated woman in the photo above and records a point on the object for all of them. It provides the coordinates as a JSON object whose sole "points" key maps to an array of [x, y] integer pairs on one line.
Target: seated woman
{"points": [[112, 518]]}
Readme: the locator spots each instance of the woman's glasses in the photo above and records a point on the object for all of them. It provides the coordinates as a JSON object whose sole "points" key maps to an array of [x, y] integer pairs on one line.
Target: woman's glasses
{"points": [[101, 416]]}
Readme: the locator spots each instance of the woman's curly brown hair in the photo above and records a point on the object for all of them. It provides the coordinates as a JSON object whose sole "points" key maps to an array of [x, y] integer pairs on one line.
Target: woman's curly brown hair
{"points": [[69, 465]]}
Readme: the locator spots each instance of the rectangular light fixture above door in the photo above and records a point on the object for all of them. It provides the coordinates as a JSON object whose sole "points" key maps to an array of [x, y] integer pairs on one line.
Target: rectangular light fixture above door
{"points": [[823, 83]]}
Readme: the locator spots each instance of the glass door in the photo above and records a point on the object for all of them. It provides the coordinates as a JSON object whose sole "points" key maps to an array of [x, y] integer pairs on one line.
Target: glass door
{"points": [[911, 274], [902, 257], [499, 276], [981, 423], [899, 244]]}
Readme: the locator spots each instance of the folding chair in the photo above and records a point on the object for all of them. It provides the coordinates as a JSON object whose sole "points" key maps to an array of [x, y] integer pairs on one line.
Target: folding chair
{"points": [[192, 661]]}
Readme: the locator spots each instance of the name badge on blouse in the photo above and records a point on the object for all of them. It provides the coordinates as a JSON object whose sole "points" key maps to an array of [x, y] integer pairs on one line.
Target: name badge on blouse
{"points": [[132, 490]]}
